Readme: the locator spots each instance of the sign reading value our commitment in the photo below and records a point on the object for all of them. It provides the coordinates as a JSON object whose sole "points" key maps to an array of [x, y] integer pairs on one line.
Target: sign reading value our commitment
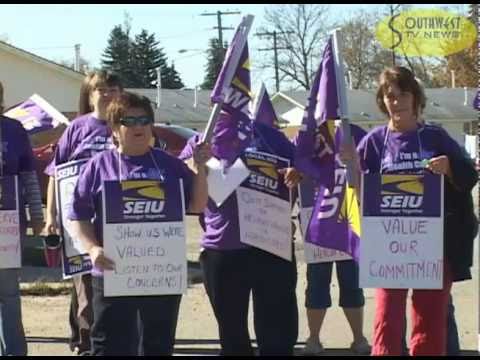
{"points": [[313, 253], [402, 232], [75, 258], [10, 249], [264, 205], [144, 234]]}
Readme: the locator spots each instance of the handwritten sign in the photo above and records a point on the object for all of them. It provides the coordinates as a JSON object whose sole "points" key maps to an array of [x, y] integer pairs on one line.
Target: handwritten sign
{"points": [[313, 253], [75, 260], [402, 232], [264, 205], [10, 248], [144, 234], [222, 182]]}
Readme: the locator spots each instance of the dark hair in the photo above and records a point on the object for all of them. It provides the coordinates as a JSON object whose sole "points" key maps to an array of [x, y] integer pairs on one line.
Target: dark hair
{"points": [[91, 82], [127, 100], [1, 98], [405, 80]]}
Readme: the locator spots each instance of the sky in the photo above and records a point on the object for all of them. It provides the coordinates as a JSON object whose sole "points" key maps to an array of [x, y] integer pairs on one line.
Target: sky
{"points": [[51, 31]]}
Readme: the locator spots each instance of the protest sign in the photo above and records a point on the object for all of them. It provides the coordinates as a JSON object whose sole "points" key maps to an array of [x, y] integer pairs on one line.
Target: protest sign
{"points": [[10, 248]]}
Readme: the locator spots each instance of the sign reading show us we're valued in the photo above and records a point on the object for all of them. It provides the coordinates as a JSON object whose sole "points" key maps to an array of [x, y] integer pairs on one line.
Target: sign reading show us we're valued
{"points": [[402, 232], [144, 234]]}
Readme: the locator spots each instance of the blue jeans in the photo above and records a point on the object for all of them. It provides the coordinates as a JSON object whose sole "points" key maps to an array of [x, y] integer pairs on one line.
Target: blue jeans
{"points": [[453, 344], [12, 335]]}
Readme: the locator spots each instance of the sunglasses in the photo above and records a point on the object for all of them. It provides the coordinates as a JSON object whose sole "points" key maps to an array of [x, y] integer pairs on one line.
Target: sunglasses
{"points": [[130, 121]]}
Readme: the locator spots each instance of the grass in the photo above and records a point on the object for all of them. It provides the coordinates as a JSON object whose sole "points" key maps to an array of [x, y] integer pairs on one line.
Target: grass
{"points": [[44, 288]]}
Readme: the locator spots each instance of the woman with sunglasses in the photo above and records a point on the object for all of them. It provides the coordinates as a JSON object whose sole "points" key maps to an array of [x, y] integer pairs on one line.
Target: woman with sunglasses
{"points": [[130, 117], [86, 135]]}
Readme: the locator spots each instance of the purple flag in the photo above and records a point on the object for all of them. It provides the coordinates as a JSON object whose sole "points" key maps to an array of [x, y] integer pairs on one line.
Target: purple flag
{"points": [[233, 129], [335, 221], [36, 115], [263, 109], [315, 151], [476, 101]]}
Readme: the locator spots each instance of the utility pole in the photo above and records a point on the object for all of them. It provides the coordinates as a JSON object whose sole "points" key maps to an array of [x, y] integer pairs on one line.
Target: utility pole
{"points": [[219, 14], [77, 58], [275, 53]]}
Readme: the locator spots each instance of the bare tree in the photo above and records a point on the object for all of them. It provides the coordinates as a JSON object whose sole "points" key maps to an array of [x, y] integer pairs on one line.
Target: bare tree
{"points": [[301, 31], [364, 56]]}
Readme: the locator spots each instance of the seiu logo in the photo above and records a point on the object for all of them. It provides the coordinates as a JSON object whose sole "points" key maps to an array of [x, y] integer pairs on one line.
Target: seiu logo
{"points": [[266, 175], [67, 172], [142, 197], [402, 192], [331, 202]]}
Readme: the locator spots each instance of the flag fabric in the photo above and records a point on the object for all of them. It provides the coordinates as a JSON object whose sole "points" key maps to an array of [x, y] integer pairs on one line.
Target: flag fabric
{"points": [[36, 115], [335, 220], [263, 111], [315, 151], [476, 101], [233, 130]]}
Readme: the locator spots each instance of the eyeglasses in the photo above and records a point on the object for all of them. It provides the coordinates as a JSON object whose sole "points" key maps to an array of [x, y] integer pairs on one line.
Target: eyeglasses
{"points": [[130, 121]]}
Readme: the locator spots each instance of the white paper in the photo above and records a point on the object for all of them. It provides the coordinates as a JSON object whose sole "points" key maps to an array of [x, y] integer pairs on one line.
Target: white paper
{"points": [[220, 184]]}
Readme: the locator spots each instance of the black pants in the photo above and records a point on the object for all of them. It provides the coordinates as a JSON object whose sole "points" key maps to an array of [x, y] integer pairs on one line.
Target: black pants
{"points": [[115, 324], [230, 277]]}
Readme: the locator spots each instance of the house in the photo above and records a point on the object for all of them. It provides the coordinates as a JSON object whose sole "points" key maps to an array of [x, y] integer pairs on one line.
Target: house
{"points": [[450, 108], [23, 74]]}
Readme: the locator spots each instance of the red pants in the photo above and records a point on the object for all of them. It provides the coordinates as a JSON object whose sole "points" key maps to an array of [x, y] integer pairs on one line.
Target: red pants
{"points": [[429, 320]]}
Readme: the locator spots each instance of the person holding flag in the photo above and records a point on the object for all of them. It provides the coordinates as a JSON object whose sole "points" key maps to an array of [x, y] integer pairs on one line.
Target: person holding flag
{"points": [[16, 159], [234, 270], [331, 223]]}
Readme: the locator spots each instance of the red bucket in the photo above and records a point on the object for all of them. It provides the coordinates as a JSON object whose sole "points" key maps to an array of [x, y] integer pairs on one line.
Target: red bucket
{"points": [[52, 250]]}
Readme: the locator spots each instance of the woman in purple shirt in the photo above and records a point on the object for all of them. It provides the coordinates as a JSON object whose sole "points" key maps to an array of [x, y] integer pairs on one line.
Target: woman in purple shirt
{"points": [[115, 318], [87, 135], [16, 158], [389, 149]]}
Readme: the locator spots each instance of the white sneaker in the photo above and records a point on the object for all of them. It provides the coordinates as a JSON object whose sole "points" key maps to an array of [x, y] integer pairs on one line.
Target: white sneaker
{"points": [[361, 348], [313, 347]]}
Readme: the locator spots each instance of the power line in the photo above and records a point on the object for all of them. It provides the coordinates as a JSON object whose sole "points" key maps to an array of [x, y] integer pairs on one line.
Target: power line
{"points": [[275, 52]]}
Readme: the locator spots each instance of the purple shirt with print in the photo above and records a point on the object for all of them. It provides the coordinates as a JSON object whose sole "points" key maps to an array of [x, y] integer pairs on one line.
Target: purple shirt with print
{"points": [[87, 197], [83, 138], [392, 152], [221, 223]]}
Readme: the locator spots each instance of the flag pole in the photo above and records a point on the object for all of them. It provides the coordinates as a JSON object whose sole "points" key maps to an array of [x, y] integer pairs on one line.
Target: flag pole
{"points": [[342, 103], [237, 50]]}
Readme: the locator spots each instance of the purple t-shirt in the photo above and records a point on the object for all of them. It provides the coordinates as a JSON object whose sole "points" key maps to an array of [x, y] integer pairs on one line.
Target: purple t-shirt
{"points": [[87, 197], [17, 154], [83, 138], [221, 223], [17, 157], [392, 152]]}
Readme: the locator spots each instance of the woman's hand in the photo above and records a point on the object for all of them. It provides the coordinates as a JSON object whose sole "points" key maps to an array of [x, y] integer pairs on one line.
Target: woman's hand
{"points": [[291, 176], [201, 154], [99, 260], [440, 165]]}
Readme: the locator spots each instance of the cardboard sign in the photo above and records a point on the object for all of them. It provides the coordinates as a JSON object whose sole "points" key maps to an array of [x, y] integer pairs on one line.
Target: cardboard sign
{"points": [[10, 247], [144, 234], [402, 232], [75, 260], [264, 207]]}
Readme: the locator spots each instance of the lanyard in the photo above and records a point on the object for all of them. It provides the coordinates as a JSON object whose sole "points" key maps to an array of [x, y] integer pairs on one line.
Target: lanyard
{"points": [[387, 134], [120, 165]]}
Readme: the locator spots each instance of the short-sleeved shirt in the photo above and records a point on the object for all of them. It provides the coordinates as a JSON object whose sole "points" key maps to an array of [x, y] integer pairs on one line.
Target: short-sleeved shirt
{"points": [[387, 151], [82, 139], [221, 223], [87, 197]]}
